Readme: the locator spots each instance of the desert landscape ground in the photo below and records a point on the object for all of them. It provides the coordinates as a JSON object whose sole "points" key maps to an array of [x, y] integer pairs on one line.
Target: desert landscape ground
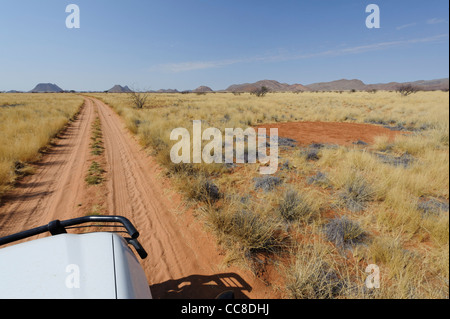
{"points": [[363, 179]]}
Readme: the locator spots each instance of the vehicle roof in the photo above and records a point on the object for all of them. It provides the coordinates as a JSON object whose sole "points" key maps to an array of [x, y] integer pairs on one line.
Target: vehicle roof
{"points": [[69, 266]]}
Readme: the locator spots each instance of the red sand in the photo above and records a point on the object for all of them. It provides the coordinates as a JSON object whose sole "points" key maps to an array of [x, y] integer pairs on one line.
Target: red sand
{"points": [[306, 133]]}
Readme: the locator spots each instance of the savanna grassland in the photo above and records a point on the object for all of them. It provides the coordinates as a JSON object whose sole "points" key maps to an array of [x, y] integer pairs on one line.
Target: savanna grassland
{"points": [[311, 229], [28, 122]]}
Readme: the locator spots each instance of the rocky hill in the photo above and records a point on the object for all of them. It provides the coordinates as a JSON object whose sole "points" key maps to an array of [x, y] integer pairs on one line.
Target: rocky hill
{"points": [[119, 89], [339, 85], [273, 86], [46, 88], [202, 89], [438, 84]]}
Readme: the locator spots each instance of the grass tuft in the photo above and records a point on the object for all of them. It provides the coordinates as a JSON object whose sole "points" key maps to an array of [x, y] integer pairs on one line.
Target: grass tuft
{"points": [[294, 206], [355, 194], [344, 232], [95, 174]]}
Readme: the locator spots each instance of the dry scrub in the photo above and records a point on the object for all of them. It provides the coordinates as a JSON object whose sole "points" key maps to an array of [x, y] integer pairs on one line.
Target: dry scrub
{"points": [[335, 209], [28, 122]]}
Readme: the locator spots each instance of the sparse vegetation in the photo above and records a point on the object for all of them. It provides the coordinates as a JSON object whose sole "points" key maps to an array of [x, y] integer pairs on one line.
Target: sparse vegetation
{"points": [[28, 123], [95, 174], [310, 276], [374, 198], [138, 99], [246, 232], [201, 189], [267, 182], [311, 153], [355, 193], [97, 142], [295, 206], [260, 92], [407, 89], [344, 232]]}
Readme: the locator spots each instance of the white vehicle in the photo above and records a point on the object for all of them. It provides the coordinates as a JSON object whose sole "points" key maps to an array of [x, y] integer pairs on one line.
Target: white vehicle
{"points": [[97, 265]]}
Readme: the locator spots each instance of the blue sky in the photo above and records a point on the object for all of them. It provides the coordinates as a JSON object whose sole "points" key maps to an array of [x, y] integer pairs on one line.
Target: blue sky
{"points": [[183, 44]]}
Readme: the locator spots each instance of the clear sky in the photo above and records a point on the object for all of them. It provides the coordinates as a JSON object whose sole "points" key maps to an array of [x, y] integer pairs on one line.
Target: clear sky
{"points": [[182, 44]]}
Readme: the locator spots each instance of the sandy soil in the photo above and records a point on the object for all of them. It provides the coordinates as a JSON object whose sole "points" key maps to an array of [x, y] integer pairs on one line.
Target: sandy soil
{"points": [[183, 260], [330, 132]]}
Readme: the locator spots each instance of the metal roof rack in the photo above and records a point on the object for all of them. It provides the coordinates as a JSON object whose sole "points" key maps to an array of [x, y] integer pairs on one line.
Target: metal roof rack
{"points": [[58, 227]]}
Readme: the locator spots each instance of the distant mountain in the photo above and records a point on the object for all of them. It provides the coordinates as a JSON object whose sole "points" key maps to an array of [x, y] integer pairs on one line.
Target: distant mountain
{"points": [[339, 85], [430, 85], [358, 85], [46, 88], [202, 89], [167, 91], [119, 89], [272, 85]]}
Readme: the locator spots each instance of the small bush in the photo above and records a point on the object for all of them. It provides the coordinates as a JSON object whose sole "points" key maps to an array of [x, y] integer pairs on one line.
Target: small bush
{"points": [[138, 99], [294, 206], [201, 189], [287, 142], [344, 232], [267, 182], [254, 233], [320, 179], [311, 153], [311, 277], [355, 194], [432, 207], [95, 174], [244, 233], [404, 160], [262, 91], [407, 89]]}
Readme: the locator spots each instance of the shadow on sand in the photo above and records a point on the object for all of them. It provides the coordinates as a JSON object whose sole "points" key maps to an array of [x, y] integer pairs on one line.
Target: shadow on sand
{"points": [[201, 287]]}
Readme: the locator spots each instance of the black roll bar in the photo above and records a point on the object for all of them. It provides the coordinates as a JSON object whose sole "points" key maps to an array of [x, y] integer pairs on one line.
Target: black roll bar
{"points": [[58, 227]]}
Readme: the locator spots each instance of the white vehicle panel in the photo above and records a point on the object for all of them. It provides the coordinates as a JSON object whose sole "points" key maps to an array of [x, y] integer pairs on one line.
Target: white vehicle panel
{"points": [[70, 266], [131, 281]]}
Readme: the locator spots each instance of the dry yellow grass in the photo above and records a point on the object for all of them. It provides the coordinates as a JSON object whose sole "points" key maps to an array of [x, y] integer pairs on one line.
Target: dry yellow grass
{"points": [[395, 184], [27, 124]]}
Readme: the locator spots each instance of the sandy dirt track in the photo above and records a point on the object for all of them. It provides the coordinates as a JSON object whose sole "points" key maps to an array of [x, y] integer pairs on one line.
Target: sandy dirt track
{"points": [[183, 260]]}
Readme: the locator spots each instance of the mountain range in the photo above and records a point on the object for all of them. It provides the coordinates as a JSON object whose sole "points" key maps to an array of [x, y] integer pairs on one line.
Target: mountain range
{"points": [[275, 86], [272, 85], [339, 85]]}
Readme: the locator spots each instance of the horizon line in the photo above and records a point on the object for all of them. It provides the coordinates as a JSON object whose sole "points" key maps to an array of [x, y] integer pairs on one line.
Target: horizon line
{"points": [[175, 89]]}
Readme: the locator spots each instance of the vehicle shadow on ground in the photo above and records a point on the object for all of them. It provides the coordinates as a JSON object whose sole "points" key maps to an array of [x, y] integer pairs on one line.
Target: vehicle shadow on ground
{"points": [[201, 287]]}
